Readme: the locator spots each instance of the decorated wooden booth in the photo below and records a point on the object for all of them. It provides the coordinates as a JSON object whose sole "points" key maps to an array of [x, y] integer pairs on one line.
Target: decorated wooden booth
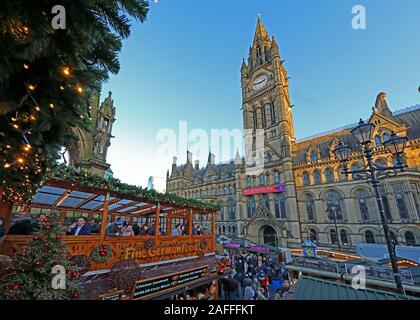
{"points": [[102, 207]]}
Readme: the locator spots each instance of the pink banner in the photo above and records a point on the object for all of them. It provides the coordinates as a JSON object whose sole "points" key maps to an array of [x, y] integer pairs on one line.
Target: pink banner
{"points": [[264, 189]]}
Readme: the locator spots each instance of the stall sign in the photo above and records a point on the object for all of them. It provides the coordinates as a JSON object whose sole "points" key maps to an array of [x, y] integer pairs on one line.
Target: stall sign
{"points": [[143, 288], [379, 273], [112, 295], [315, 264]]}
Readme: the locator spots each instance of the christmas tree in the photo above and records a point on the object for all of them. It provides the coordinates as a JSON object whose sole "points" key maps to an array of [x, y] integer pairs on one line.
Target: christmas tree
{"points": [[52, 62], [42, 270]]}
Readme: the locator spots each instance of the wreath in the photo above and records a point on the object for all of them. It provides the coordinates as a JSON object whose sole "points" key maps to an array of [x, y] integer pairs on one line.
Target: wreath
{"points": [[102, 253], [203, 244]]}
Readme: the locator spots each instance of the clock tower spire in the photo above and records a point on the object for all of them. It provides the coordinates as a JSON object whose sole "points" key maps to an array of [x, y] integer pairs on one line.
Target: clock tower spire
{"points": [[266, 106]]}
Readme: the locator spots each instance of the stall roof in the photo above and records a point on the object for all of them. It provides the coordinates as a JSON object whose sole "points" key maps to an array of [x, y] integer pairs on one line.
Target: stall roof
{"points": [[63, 194], [308, 288]]}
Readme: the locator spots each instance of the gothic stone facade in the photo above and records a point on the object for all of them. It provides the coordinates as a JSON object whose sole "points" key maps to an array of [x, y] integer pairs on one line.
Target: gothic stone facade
{"points": [[90, 151], [316, 191]]}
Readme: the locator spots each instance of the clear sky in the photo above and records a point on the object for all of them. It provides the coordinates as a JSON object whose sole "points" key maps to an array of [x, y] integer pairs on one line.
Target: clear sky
{"points": [[184, 63]]}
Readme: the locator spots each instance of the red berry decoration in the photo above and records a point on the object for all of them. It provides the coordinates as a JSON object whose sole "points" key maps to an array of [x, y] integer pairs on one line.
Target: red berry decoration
{"points": [[36, 237], [15, 286], [46, 244], [37, 264], [74, 275], [74, 295]]}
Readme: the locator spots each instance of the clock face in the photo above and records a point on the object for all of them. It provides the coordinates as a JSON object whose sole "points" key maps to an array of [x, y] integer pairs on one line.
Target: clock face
{"points": [[260, 82]]}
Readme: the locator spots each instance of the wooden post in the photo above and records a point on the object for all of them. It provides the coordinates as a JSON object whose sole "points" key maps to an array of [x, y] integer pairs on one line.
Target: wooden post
{"points": [[212, 227], [190, 222], [157, 222], [104, 217]]}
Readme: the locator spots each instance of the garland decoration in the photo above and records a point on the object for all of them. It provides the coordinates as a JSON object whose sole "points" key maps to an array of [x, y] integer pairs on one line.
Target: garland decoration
{"points": [[102, 253]]}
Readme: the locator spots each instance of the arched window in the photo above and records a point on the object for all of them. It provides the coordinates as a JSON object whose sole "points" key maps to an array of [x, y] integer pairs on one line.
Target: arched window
{"points": [[262, 179], [226, 191], [249, 181], [329, 175], [313, 236], [342, 176], [317, 177], [232, 190], [306, 180], [269, 157], [380, 163], [234, 230], [276, 177], [254, 118], [378, 141], [385, 137], [280, 206], [251, 206], [314, 156], [272, 113], [344, 238], [224, 230], [333, 236], [310, 207], [263, 117], [355, 167], [409, 238], [266, 201], [228, 228], [401, 204], [232, 210], [220, 229], [222, 213], [370, 238], [364, 212], [334, 206]]}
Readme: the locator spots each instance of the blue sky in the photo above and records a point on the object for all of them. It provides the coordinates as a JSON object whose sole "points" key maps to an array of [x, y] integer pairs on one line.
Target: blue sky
{"points": [[184, 63]]}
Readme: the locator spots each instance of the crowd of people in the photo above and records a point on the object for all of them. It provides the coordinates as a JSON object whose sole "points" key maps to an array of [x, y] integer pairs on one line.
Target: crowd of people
{"points": [[25, 224], [253, 277]]}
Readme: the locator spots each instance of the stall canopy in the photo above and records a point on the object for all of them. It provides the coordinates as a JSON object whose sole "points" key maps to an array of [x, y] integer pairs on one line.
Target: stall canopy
{"points": [[65, 195]]}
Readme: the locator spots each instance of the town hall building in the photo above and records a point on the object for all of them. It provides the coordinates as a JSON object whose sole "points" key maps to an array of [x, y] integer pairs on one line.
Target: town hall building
{"points": [[302, 192]]}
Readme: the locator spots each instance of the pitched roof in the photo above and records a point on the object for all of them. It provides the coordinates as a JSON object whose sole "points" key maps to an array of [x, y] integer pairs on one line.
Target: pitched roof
{"points": [[309, 288]]}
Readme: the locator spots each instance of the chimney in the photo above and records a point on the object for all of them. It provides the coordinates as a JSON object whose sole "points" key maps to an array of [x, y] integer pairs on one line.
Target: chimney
{"points": [[211, 159], [197, 164], [174, 165], [189, 157]]}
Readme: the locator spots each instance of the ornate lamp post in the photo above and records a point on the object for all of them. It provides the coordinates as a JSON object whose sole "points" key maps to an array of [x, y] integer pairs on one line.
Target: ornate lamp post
{"points": [[332, 212], [395, 145]]}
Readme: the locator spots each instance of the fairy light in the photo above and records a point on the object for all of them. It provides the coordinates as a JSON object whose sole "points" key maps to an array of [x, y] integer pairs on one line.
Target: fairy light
{"points": [[20, 160], [31, 87], [26, 66], [79, 89], [61, 88], [7, 165], [27, 147], [66, 71], [15, 126], [52, 106], [37, 108]]}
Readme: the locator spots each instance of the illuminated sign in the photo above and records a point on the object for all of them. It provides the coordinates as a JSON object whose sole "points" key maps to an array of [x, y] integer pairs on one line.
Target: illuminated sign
{"points": [[151, 286], [263, 189]]}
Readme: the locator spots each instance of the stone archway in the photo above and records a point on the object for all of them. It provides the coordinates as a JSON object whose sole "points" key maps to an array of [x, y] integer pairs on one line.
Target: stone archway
{"points": [[268, 235]]}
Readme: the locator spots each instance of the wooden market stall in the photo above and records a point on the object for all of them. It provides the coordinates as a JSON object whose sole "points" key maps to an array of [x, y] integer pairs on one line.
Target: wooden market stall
{"points": [[104, 207]]}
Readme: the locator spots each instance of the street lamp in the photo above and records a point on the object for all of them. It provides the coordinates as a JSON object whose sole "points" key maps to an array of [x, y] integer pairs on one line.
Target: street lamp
{"points": [[372, 172], [332, 212]]}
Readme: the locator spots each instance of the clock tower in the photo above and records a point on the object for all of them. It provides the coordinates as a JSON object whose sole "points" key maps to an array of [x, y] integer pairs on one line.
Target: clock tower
{"points": [[266, 106]]}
